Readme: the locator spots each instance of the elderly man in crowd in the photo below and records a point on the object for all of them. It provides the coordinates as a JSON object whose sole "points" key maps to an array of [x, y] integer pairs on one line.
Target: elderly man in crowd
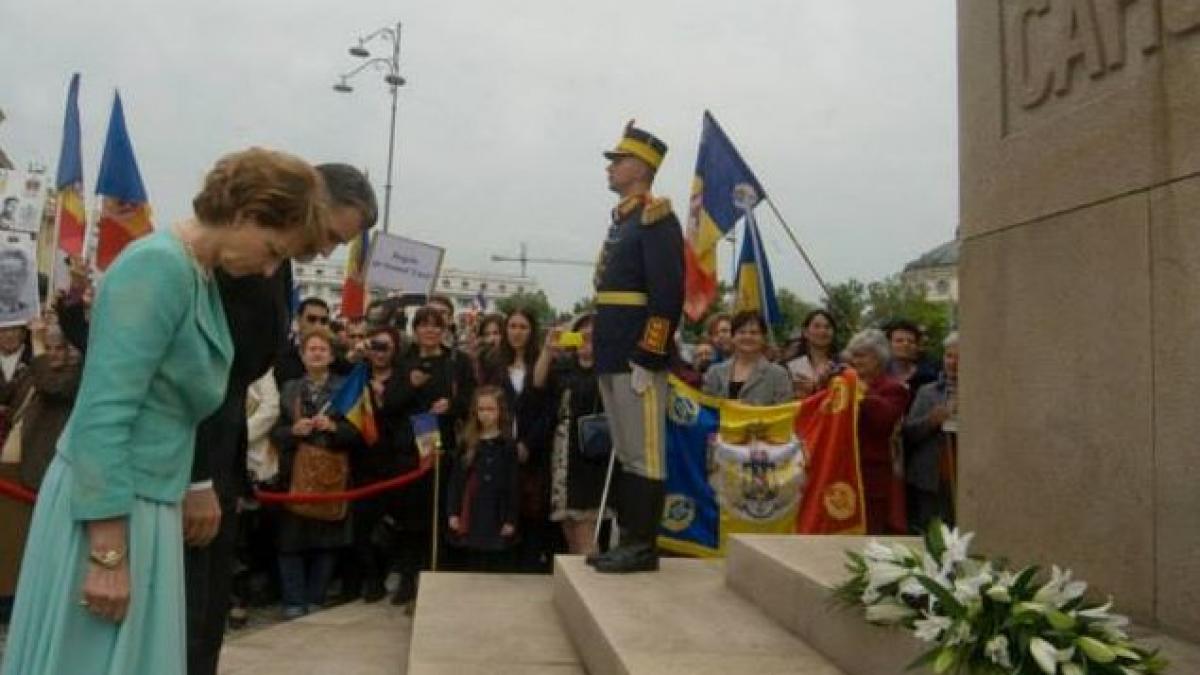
{"points": [[929, 440]]}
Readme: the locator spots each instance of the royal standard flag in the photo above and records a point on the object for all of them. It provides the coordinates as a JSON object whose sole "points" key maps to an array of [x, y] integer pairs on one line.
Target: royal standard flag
{"points": [[735, 468], [354, 289], [723, 190], [353, 401], [72, 222], [755, 289], [731, 468], [125, 209]]}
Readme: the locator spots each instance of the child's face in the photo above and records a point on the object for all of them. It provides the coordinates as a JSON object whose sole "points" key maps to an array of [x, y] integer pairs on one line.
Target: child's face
{"points": [[487, 410]]}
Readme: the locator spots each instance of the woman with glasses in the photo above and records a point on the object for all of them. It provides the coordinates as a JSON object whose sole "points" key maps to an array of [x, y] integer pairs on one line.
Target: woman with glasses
{"points": [[378, 462]]}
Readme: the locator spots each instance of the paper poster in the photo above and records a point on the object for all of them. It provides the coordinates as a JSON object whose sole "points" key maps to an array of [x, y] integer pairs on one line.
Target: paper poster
{"points": [[403, 265], [18, 279], [22, 199]]}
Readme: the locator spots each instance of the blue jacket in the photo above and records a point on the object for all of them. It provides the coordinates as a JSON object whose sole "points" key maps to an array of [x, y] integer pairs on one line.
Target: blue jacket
{"points": [[639, 287], [158, 360]]}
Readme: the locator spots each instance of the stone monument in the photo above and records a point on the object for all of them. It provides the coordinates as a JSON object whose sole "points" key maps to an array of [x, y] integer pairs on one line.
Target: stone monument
{"points": [[1080, 293]]}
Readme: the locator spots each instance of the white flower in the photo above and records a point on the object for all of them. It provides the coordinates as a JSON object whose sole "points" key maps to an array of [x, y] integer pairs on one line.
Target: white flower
{"points": [[877, 551], [960, 633], [913, 588], [999, 593], [996, 651], [1044, 654], [1060, 589], [870, 596], [889, 612], [1072, 669], [1108, 625], [967, 588], [881, 574], [956, 545], [930, 628]]}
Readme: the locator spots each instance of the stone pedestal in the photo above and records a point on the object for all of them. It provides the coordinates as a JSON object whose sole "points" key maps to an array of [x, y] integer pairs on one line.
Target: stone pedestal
{"points": [[1080, 293]]}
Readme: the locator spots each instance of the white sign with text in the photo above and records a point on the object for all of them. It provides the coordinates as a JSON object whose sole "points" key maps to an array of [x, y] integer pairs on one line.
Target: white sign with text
{"points": [[403, 265]]}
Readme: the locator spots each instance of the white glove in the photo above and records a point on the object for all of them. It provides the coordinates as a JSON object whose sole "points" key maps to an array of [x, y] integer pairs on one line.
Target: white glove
{"points": [[639, 378]]}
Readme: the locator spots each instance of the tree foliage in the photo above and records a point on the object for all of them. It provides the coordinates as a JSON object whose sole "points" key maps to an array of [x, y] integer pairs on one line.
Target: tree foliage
{"points": [[857, 306], [537, 303]]}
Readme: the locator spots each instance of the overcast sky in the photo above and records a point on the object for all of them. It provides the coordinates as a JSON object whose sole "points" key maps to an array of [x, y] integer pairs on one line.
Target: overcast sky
{"points": [[845, 109]]}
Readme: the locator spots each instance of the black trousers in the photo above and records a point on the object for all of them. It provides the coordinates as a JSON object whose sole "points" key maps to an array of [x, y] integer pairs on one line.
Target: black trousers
{"points": [[209, 586]]}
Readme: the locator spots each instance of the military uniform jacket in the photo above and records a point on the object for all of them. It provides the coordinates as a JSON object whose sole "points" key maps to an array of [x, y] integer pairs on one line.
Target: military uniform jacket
{"points": [[639, 286]]}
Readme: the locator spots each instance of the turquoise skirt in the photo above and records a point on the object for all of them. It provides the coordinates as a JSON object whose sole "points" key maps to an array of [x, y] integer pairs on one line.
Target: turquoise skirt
{"points": [[52, 634]]}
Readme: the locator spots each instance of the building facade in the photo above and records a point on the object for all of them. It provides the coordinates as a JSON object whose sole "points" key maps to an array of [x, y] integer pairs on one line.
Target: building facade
{"points": [[323, 279], [936, 272]]}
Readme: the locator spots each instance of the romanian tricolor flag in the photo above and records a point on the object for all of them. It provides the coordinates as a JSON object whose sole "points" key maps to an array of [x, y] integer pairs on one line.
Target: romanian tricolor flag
{"points": [[125, 209], [755, 289], [72, 222], [354, 289], [723, 190], [735, 468], [353, 401]]}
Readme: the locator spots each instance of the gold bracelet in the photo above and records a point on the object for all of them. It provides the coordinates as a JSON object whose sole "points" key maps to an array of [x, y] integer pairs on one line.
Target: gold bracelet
{"points": [[109, 560]]}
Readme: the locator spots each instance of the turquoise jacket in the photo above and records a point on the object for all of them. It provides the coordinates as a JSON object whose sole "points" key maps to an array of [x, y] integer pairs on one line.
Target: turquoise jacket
{"points": [[158, 359]]}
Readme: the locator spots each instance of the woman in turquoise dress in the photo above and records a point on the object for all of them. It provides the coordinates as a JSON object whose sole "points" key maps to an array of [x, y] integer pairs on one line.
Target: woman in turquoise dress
{"points": [[101, 589]]}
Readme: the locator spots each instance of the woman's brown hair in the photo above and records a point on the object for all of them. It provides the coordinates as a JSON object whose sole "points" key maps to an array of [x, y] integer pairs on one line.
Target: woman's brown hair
{"points": [[274, 189]]}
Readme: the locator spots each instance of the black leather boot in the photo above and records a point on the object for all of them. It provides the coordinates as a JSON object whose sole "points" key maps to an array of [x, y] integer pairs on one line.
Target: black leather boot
{"points": [[643, 502]]}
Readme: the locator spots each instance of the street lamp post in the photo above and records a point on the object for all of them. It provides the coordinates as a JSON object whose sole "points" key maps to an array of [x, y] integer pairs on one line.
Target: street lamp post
{"points": [[392, 78]]}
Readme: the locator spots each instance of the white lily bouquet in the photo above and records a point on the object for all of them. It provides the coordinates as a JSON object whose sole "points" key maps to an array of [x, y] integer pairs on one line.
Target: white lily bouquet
{"points": [[985, 620]]}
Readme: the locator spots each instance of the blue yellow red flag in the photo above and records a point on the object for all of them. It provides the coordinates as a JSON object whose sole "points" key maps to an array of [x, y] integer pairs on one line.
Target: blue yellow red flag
{"points": [[72, 221], [125, 209], [755, 289], [353, 401], [723, 190], [354, 289]]}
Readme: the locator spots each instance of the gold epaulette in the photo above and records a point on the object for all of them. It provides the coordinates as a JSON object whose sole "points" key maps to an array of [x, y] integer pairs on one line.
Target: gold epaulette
{"points": [[656, 210]]}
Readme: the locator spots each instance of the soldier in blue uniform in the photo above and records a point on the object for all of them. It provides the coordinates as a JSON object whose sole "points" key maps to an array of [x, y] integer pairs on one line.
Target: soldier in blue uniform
{"points": [[639, 300]]}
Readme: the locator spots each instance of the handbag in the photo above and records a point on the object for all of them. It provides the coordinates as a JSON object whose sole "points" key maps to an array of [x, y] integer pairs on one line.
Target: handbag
{"points": [[595, 437], [318, 470]]}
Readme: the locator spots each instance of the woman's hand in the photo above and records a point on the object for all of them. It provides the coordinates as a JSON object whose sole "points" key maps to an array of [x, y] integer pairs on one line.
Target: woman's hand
{"points": [[440, 406], [553, 336], [522, 452], [302, 427], [507, 530], [418, 378], [105, 591], [324, 423], [455, 525]]}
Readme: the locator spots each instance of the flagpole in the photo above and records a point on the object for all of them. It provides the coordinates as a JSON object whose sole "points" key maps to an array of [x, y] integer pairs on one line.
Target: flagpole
{"points": [[796, 242]]}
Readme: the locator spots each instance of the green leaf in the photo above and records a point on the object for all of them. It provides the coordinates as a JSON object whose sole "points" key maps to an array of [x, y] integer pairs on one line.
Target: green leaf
{"points": [[951, 605], [934, 542]]}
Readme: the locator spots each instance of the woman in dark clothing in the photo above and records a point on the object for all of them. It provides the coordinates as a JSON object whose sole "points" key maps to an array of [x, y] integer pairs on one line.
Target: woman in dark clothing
{"points": [[308, 547], [577, 482], [483, 496], [511, 369], [381, 461], [55, 379], [433, 379]]}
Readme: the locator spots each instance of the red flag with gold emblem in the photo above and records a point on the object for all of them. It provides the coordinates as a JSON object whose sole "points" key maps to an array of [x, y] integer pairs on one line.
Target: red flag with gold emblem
{"points": [[828, 422]]}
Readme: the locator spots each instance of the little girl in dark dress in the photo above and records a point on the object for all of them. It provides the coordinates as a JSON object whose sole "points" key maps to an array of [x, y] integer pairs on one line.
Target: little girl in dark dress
{"points": [[483, 500]]}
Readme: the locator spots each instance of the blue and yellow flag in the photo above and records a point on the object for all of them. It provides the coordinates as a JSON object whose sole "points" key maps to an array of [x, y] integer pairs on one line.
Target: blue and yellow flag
{"points": [[353, 401], [731, 468], [755, 289], [71, 219], [723, 191]]}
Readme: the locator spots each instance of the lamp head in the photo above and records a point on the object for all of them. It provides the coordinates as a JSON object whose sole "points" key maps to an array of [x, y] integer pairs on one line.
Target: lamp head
{"points": [[342, 87], [394, 80], [360, 51]]}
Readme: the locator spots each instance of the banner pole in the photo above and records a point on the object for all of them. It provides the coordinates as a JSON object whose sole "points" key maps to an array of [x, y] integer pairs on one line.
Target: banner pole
{"points": [[796, 242]]}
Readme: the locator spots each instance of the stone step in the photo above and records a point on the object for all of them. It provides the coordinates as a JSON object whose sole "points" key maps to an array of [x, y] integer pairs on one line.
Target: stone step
{"points": [[791, 579], [682, 619], [488, 623]]}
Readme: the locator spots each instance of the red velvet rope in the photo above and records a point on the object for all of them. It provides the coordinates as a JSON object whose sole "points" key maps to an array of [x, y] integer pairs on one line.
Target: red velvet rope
{"points": [[22, 494]]}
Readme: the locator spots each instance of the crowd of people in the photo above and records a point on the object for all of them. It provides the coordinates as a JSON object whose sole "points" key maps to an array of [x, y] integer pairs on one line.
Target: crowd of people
{"points": [[149, 411]]}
